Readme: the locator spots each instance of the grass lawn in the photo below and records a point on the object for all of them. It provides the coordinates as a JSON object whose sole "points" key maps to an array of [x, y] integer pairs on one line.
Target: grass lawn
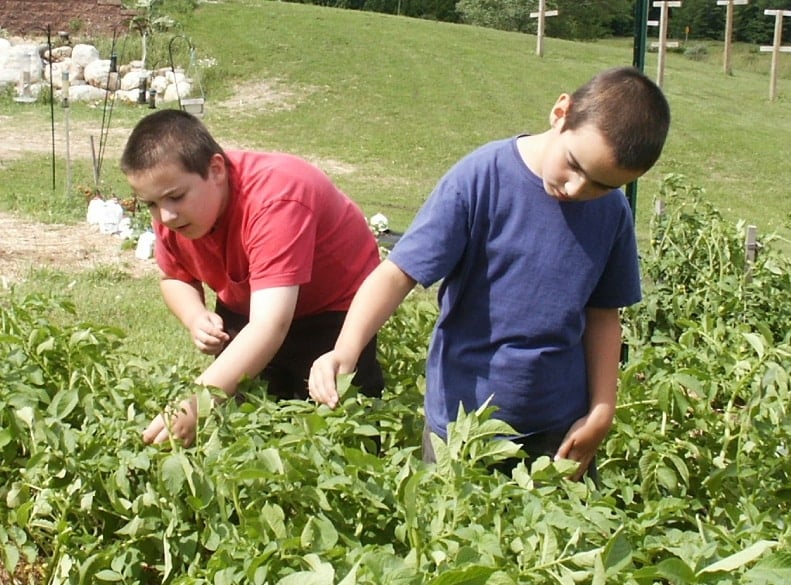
{"points": [[387, 104]]}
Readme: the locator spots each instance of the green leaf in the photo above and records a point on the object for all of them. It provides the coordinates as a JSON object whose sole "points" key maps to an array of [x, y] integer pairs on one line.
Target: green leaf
{"points": [[64, 403], [617, 553], [771, 570], [321, 573], [271, 459], [108, 575], [26, 415], [757, 342], [319, 534], [172, 473], [673, 569], [475, 575], [740, 558], [11, 557], [342, 384], [274, 517], [46, 345]]}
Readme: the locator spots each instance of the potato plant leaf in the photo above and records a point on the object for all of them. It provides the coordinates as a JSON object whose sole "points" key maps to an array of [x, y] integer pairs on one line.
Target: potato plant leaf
{"points": [[739, 559], [343, 383]]}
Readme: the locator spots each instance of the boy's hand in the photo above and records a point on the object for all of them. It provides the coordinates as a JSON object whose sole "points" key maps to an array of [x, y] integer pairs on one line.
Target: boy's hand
{"points": [[182, 424], [583, 439], [208, 334], [321, 383]]}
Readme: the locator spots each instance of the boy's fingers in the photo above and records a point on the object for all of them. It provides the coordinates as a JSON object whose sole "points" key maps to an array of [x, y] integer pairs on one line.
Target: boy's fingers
{"points": [[154, 429], [321, 382]]}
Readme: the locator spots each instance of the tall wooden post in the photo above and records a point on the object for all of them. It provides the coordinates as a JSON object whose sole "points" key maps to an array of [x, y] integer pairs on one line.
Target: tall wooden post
{"points": [[776, 49], [726, 52], [663, 43], [541, 15]]}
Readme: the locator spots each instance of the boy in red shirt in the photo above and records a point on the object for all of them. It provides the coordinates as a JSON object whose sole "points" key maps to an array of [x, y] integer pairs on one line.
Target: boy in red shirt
{"points": [[282, 247]]}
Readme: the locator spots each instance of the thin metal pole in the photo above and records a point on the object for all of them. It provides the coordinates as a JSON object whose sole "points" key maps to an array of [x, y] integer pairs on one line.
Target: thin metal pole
{"points": [[638, 61], [51, 103], [65, 104]]}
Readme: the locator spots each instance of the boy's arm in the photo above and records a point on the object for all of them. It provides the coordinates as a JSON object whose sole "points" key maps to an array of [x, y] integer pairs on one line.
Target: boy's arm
{"points": [[602, 343], [376, 299], [185, 300], [271, 313]]}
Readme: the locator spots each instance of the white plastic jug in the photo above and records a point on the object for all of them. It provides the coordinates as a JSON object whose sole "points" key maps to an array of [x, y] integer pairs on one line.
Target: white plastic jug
{"points": [[112, 214], [145, 245], [95, 211]]}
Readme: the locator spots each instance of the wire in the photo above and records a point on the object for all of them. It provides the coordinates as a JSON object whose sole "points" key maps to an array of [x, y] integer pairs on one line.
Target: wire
{"points": [[51, 102]]}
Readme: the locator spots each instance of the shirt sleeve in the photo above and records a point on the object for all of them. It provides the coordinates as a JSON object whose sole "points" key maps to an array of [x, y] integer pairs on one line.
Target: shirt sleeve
{"points": [[619, 285], [438, 236]]}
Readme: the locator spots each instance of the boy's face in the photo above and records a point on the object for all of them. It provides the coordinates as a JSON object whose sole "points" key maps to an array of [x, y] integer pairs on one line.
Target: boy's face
{"points": [[182, 201], [579, 165]]}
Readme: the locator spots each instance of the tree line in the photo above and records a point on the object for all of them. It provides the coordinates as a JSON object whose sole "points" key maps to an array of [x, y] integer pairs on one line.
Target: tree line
{"points": [[587, 19]]}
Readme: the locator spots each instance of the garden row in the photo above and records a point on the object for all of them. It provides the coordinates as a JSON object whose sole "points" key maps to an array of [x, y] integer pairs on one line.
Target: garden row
{"points": [[694, 474]]}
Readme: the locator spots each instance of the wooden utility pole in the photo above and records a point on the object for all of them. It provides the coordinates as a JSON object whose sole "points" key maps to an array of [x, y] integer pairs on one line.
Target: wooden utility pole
{"points": [[776, 49], [541, 15], [663, 43], [726, 53]]}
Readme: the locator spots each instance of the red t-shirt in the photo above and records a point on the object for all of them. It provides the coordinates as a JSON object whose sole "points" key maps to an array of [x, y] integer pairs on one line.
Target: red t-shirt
{"points": [[285, 224]]}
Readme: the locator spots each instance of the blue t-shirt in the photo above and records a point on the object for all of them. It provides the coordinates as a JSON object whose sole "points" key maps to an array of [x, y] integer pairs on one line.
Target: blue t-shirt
{"points": [[519, 269]]}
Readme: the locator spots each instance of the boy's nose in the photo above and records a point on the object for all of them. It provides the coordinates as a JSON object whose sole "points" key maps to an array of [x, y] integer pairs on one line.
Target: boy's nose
{"points": [[167, 216], [574, 187]]}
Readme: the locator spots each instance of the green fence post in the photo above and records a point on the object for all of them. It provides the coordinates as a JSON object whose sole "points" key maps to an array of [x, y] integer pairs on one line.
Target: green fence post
{"points": [[638, 61]]}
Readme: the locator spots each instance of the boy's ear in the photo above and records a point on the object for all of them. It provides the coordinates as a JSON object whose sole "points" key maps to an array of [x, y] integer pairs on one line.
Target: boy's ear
{"points": [[558, 113], [217, 168]]}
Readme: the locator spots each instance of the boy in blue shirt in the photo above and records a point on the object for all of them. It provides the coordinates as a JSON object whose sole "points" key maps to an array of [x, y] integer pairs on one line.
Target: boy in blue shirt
{"points": [[534, 244]]}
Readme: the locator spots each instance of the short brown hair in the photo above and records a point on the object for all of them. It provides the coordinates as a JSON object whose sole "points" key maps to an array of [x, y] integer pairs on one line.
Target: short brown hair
{"points": [[629, 110], [170, 136]]}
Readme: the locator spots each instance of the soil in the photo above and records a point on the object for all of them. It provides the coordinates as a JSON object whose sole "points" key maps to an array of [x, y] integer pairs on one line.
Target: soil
{"points": [[26, 245]]}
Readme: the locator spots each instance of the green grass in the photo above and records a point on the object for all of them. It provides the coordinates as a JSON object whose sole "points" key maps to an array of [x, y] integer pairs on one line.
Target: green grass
{"points": [[387, 104]]}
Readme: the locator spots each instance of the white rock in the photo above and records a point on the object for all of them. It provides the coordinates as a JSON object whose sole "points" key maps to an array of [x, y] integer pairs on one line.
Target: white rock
{"points": [[86, 93], [98, 74], [76, 72], [176, 91], [83, 55], [128, 96], [132, 79], [159, 83], [60, 53], [176, 77], [18, 59], [57, 73]]}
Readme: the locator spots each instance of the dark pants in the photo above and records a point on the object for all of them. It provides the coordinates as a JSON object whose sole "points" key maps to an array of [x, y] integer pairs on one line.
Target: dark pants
{"points": [[534, 446], [307, 338]]}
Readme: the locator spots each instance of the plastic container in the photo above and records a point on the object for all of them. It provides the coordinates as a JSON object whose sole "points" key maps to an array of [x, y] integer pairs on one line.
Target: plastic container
{"points": [[112, 214], [95, 211], [145, 245]]}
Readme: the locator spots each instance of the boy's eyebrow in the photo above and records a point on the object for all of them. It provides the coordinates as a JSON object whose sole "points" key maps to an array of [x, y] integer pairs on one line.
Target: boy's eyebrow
{"points": [[576, 163]]}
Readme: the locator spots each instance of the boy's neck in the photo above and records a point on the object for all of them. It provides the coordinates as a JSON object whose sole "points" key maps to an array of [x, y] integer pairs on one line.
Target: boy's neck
{"points": [[531, 148]]}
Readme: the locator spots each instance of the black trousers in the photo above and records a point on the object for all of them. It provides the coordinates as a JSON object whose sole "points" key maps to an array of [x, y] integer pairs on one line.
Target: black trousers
{"points": [[307, 338]]}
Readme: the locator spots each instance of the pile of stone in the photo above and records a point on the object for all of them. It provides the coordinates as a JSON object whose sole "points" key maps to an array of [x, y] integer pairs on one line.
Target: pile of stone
{"points": [[27, 66]]}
